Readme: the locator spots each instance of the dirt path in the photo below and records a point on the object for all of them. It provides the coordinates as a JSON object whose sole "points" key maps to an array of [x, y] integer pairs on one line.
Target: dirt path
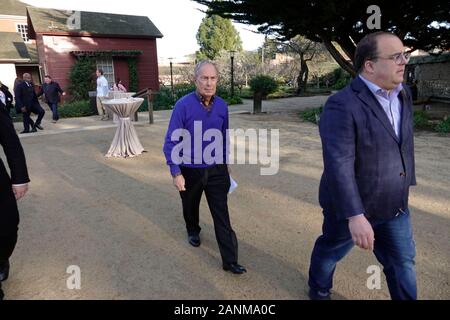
{"points": [[120, 221]]}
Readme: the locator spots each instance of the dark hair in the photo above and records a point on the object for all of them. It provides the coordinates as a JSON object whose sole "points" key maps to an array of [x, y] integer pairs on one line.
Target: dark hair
{"points": [[101, 71], [118, 80], [47, 76], [367, 49]]}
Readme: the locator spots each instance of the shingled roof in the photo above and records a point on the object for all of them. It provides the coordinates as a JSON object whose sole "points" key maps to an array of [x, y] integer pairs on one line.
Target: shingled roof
{"points": [[52, 21], [13, 8], [15, 50]]}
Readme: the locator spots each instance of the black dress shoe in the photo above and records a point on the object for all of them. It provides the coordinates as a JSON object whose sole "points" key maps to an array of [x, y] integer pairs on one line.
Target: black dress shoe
{"points": [[24, 131], [4, 270], [319, 295], [38, 126], [33, 129], [234, 268], [194, 240]]}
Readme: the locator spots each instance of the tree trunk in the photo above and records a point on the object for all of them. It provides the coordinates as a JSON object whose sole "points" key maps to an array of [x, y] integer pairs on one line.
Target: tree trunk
{"points": [[347, 66], [257, 102], [302, 78]]}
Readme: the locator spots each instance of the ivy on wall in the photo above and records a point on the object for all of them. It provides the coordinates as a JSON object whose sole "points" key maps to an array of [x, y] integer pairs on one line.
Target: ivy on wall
{"points": [[82, 78], [133, 74], [81, 73], [108, 53]]}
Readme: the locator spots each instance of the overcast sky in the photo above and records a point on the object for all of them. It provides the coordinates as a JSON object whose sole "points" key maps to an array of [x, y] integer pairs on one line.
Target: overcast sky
{"points": [[178, 21]]}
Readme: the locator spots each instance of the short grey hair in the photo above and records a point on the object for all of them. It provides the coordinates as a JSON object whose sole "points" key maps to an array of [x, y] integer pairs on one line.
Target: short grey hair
{"points": [[203, 63]]}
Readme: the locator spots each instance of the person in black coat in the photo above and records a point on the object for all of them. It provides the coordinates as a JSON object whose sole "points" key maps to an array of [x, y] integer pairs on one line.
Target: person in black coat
{"points": [[8, 97], [12, 188], [52, 91], [26, 103]]}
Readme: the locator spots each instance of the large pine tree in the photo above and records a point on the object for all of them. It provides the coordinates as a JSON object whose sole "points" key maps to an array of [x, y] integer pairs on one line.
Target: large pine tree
{"points": [[215, 34], [420, 24]]}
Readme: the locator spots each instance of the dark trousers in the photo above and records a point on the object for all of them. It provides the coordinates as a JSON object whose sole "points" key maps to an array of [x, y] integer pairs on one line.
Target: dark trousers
{"points": [[7, 245], [394, 248], [27, 121], [54, 107], [215, 181], [9, 216]]}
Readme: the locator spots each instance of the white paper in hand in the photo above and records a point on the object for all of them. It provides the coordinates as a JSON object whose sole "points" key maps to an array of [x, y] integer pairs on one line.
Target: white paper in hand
{"points": [[233, 185]]}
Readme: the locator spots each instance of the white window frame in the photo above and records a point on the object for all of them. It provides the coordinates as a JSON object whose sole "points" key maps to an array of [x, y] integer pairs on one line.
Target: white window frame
{"points": [[23, 33], [107, 65]]}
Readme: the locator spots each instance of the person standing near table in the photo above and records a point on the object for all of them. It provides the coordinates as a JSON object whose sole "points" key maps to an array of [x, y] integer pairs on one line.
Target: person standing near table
{"points": [[118, 86], [52, 92], [12, 188], [102, 92], [190, 177]]}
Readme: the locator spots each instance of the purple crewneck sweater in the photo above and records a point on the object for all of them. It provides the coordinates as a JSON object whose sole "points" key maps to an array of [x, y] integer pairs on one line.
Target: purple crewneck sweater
{"points": [[191, 115]]}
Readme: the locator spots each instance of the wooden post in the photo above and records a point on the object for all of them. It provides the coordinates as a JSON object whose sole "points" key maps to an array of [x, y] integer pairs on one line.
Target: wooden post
{"points": [[135, 116], [257, 102], [150, 106]]}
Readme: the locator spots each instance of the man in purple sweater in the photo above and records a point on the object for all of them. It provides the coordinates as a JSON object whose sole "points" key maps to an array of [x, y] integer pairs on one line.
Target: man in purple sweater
{"points": [[198, 162]]}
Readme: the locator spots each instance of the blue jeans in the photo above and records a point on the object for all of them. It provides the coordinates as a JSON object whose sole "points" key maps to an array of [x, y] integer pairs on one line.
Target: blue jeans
{"points": [[394, 248], [54, 107]]}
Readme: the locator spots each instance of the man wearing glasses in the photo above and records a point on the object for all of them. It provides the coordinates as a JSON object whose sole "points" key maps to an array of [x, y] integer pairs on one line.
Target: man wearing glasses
{"points": [[368, 152], [195, 114]]}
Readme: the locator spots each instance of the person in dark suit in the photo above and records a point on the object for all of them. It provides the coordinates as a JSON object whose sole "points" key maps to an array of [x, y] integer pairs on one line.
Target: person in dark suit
{"points": [[8, 97], [52, 91], [12, 188], [368, 153], [26, 103]]}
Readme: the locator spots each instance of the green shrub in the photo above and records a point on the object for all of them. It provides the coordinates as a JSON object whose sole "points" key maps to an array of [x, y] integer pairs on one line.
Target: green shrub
{"points": [[263, 84], [233, 100], [336, 79], [164, 100], [420, 120], [246, 93], [312, 115], [341, 78], [443, 126], [80, 108], [81, 78]]}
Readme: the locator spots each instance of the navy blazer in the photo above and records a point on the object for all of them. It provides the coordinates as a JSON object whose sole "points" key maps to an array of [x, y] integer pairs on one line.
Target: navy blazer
{"points": [[25, 96], [367, 168]]}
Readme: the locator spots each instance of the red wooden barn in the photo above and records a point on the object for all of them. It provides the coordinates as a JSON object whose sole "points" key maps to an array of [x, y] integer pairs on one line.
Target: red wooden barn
{"points": [[114, 40]]}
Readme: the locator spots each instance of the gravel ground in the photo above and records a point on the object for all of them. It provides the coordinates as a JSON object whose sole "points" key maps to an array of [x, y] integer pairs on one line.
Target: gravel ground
{"points": [[120, 220]]}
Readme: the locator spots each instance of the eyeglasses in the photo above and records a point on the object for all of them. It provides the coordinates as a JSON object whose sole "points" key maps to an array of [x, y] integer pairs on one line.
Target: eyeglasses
{"points": [[397, 57]]}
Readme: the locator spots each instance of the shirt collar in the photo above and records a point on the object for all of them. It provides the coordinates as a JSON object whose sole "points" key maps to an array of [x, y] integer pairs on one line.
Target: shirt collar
{"points": [[202, 100], [378, 91]]}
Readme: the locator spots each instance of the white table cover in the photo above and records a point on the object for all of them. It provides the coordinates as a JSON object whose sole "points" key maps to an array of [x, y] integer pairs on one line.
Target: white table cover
{"points": [[126, 142]]}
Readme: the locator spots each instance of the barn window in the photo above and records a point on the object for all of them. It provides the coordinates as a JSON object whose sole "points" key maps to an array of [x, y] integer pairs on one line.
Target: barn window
{"points": [[23, 30], [108, 70]]}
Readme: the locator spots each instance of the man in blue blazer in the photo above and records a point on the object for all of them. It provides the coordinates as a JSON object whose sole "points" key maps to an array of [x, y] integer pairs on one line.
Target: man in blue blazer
{"points": [[368, 152]]}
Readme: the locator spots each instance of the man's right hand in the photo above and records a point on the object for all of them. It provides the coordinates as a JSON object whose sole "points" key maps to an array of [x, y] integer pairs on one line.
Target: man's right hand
{"points": [[361, 231], [179, 182], [20, 191]]}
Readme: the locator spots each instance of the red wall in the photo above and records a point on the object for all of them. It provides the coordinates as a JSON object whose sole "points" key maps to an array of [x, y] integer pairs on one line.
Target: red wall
{"points": [[121, 71], [56, 60]]}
